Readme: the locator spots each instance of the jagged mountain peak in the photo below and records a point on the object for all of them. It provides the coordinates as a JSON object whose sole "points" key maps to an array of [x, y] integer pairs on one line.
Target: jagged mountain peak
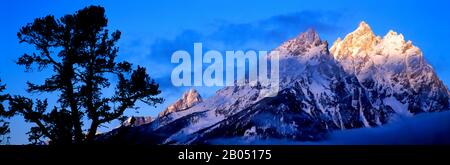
{"points": [[309, 36], [370, 82], [394, 44], [363, 42], [394, 35], [359, 42], [364, 28], [393, 38], [391, 66], [191, 94], [308, 41], [135, 121], [187, 100]]}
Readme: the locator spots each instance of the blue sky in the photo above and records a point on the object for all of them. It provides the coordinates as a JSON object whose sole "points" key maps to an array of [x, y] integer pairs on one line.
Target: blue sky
{"points": [[152, 31]]}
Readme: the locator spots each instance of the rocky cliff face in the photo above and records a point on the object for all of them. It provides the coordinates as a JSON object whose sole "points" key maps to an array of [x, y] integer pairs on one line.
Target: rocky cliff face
{"points": [[189, 99], [135, 121], [393, 71]]}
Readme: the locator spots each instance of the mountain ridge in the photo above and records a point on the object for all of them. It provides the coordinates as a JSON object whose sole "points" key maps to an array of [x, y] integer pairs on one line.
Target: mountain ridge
{"points": [[187, 100], [391, 65], [363, 80]]}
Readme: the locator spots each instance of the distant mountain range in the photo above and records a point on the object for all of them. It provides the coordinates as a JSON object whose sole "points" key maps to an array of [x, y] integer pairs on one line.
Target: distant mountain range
{"points": [[363, 80]]}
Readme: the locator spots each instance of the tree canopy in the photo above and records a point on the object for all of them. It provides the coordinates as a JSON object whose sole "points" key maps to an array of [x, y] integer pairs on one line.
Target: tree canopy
{"points": [[81, 53]]}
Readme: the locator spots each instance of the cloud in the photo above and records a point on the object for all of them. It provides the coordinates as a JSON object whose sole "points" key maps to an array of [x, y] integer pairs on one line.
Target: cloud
{"points": [[432, 128], [262, 34], [423, 129], [258, 35], [274, 30]]}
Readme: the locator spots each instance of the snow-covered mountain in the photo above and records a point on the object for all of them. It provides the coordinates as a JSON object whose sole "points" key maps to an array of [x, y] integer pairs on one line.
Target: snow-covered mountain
{"points": [[189, 99], [135, 121], [363, 81], [392, 70]]}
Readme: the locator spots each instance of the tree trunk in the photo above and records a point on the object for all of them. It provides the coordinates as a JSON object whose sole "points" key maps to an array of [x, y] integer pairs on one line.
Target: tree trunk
{"points": [[68, 76], [92, 131]]}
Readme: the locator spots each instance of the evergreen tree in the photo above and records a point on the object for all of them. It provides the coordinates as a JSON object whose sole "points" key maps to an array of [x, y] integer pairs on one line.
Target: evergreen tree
{"points": [[81, 54], [4, 125]]}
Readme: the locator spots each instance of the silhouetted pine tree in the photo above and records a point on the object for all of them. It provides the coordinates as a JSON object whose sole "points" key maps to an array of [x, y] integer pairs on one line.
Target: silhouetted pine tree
{"points": [[4, 125], [81, 54]]}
